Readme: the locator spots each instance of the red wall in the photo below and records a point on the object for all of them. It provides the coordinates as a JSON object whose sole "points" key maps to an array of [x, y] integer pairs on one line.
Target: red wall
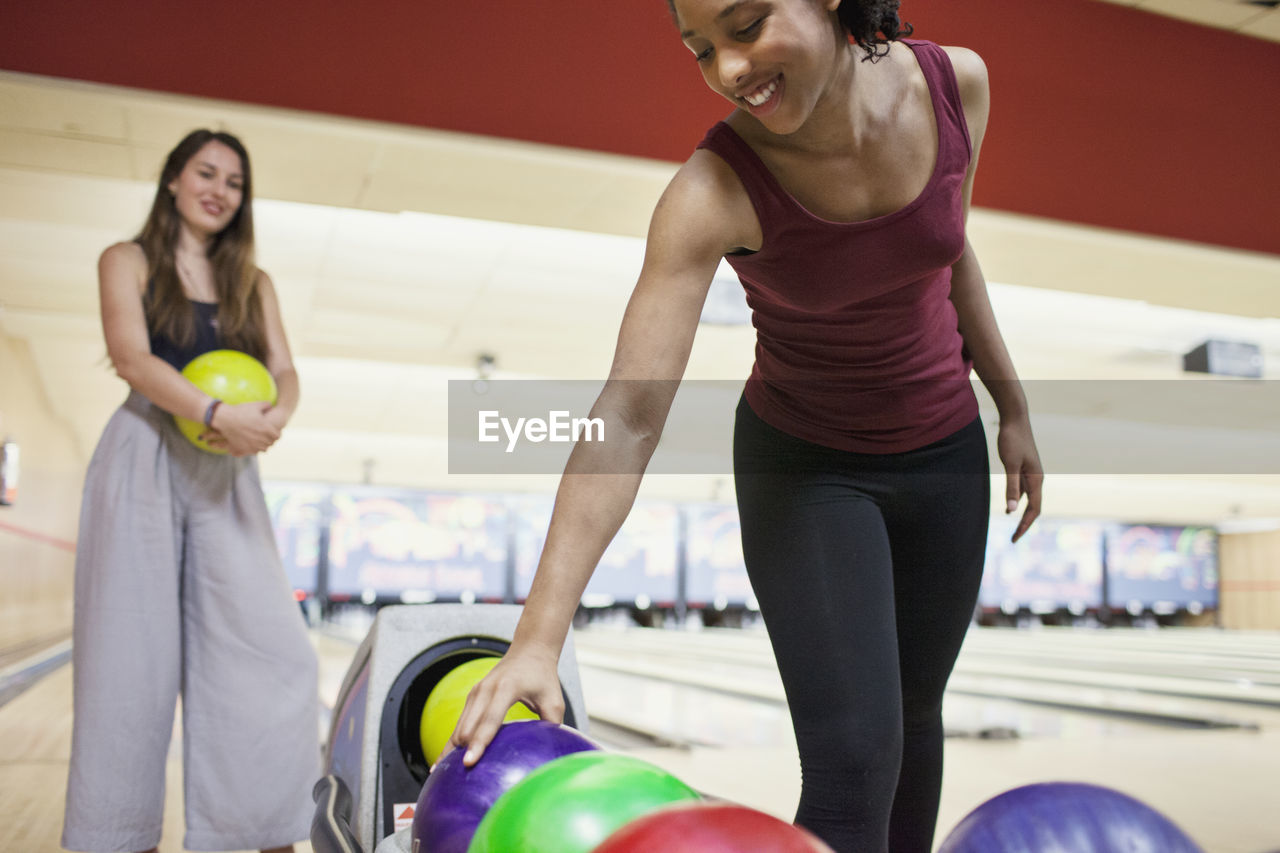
{"points": [[1101, 114]]}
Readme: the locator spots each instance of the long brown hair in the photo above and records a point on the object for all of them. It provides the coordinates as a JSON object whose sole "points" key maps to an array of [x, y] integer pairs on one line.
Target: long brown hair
{"points": [[235, 273]]}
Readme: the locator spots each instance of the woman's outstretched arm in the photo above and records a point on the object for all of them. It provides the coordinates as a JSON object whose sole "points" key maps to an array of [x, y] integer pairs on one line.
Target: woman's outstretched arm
{"points": [[697, 220]]}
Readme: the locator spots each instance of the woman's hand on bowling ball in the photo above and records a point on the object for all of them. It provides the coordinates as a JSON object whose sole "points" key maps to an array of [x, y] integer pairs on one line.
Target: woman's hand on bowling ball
{"points": [[244, 429], [527, 676], [277, 417]]}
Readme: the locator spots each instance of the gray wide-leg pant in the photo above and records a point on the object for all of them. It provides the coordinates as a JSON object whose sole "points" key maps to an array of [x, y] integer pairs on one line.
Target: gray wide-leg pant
{"points": [[180, 591]]}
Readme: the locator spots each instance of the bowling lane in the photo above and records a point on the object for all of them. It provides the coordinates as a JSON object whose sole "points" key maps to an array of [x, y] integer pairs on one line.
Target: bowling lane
{"points": [[675, 708], [647, 688], [686, 715], [740, 663], [1195, 654], [1218, 784], [721, 688], [35, 749], [1201, 654]]}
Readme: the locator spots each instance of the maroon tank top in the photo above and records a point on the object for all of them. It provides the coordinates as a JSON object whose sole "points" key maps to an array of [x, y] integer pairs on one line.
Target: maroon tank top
{"points": [[857, 345]]}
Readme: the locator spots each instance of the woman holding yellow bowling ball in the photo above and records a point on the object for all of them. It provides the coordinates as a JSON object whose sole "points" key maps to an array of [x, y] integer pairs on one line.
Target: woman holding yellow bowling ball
{"points": [[179, 587]]}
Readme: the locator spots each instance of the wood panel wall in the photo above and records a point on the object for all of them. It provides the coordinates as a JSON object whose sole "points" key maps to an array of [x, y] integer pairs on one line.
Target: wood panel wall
{"points": [[1249, 598], [37, 533]]}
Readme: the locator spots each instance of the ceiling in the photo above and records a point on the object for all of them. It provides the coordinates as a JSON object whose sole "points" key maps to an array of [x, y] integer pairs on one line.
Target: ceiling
{"points": [[1257, 18], [402, 254]]}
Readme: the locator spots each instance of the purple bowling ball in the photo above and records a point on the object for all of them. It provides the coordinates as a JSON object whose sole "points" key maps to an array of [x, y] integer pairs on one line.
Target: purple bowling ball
{"points": [[455, 798], [1066, 817]]}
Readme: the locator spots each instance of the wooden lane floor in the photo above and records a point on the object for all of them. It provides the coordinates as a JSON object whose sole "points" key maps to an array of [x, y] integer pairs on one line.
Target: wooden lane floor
{"points": [[1212, 687], [35, 748], [1218, 784]]}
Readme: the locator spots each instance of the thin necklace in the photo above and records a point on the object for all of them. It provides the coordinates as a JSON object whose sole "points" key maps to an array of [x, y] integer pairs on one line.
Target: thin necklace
{"points": [[185, 274]]}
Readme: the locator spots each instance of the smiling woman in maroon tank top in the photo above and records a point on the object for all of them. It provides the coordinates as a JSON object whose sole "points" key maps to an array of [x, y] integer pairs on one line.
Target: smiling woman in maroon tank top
{"points": [[838, 189]]}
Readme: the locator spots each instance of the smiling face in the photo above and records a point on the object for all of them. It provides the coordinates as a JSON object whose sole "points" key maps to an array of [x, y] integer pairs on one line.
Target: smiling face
{"points": [[210, 188], [774, 59]]}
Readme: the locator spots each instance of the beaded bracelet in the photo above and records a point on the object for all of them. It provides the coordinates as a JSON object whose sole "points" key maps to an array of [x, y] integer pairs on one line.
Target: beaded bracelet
{"points": [[208, 413]]}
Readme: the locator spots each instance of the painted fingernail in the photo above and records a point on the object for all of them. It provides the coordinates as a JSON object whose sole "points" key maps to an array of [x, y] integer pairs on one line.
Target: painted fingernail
{"points": [[469, 757]]}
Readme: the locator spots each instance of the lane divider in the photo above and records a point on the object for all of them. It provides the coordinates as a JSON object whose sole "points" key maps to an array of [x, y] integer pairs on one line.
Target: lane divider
{"points": [[20, 676], [36, 535]]}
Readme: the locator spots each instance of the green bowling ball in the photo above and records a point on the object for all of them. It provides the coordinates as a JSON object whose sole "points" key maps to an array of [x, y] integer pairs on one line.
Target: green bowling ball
{"points": [[228, 375], [572, 804]]}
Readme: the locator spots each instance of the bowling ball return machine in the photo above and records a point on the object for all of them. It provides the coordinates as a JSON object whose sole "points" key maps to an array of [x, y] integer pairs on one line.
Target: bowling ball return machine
{"points": [[373, 762]]}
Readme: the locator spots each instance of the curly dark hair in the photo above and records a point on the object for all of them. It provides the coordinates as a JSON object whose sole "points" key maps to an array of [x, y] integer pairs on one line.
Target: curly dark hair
{"points": [[873, 24]]}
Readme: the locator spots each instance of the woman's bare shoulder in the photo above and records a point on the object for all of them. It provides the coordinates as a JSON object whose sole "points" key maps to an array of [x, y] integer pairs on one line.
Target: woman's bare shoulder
{"points": [[124, 262], [707, 196], [971, 71], [126, 252]]}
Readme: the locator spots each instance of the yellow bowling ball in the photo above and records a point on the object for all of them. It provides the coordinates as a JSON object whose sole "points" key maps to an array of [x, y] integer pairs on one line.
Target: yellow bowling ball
{"points": [[447, 699], [228, 375]]}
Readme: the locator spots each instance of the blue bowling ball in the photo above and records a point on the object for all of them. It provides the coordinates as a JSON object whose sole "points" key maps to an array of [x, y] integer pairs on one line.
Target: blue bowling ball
{"points": [[1066, 817]]}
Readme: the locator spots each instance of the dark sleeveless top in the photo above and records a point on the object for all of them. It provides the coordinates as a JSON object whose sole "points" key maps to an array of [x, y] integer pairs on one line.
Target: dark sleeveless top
{"points": [[206, 337], [857, 345]]}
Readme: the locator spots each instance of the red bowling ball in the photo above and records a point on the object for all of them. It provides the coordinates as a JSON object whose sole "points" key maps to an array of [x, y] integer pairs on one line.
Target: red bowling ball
{"points": [[711, 828]]}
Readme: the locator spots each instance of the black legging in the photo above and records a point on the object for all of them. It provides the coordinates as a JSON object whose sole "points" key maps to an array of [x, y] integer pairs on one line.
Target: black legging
{"points": [[866, 567]]}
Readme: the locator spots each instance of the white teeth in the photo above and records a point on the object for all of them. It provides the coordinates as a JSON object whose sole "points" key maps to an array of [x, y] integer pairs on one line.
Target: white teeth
{"points": [[757, 98]]}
